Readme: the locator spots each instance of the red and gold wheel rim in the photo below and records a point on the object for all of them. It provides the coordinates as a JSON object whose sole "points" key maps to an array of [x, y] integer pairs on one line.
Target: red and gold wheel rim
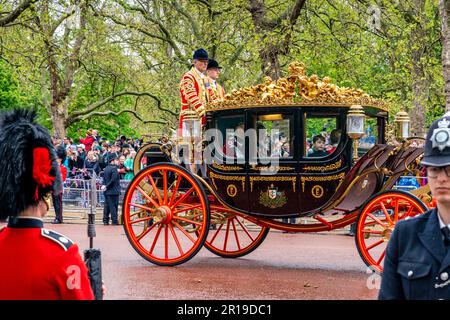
{"points": [[232, 235], [166, 214], [377, 221]]}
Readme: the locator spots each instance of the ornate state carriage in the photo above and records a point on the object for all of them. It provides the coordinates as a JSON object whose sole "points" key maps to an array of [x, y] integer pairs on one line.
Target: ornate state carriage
{"points": [[171, 208]]}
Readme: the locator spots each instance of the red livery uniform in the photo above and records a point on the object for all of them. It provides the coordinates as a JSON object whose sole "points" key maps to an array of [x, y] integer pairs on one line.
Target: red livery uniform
{"points": [[193, 95], [40, 264], [215, 91]]}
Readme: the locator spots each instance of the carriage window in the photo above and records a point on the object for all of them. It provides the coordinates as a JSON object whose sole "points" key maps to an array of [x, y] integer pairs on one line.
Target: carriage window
{"points": [[232, 137], [274, 138], [370, 137], [322, 136]]}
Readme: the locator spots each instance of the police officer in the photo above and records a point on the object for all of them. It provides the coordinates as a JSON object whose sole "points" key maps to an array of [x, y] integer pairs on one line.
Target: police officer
{"points": [[417, 263], [35, 263], [111, 188]]}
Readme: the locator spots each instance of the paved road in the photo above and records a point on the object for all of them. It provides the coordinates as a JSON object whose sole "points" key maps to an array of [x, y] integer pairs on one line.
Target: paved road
{"points": [[285, 266]]}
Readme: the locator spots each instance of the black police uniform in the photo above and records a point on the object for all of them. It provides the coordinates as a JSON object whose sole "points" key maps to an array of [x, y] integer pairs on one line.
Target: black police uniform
{"points": [[111, 180], [417, 262]]}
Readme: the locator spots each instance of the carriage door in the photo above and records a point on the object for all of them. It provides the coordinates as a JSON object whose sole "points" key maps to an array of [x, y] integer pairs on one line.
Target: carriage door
{"points": [[272, 164], [325, 159]]}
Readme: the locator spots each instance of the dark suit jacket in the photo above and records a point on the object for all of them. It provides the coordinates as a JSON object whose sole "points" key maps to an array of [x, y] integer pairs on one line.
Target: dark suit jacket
{"points": [[111, 180], [416, 265]]}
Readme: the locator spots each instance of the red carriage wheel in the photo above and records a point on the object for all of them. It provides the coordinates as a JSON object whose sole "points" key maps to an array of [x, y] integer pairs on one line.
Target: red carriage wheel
{"points": [[377, 220], [233, 235], [166, 214]]}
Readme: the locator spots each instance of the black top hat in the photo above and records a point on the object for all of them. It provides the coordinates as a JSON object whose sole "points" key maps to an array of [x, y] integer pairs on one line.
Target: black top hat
{"points": [[112, 156], [28, 167], [437, 144], [200, 54], [213, 64]]}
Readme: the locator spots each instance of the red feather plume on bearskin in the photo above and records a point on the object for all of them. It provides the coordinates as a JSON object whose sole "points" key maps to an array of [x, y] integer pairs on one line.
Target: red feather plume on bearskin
{"points": [[41, 169]]}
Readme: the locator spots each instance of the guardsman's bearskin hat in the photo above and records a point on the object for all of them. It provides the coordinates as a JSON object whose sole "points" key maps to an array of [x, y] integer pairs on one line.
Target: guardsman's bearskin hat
{"points": [[28, 167]]}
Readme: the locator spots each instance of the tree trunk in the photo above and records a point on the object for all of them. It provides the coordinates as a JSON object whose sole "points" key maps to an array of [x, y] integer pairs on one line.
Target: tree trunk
{"points": [[420, 80], [444, 8], [59, 123]]}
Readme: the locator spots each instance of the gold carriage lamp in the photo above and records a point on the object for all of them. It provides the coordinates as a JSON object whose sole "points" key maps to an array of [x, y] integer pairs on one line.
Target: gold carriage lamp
{"points": [[401, 121], [355, 126]]}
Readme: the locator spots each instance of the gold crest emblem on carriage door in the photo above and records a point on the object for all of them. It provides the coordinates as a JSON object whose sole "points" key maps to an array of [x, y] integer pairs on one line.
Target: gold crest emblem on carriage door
{"points": [[317, 191], [231, 190]]}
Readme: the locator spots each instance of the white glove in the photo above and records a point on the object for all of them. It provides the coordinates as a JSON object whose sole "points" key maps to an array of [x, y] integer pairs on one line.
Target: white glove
{"points": [[103, 188]]}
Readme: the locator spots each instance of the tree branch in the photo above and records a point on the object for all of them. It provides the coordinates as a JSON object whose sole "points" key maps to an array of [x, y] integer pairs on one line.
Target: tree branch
{"points": [[78, 115], [109, 112], [16, 12]]}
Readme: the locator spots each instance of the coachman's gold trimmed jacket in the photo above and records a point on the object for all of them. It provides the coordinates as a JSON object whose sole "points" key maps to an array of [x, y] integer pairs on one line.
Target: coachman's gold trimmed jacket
{"points": [[193, 95]]}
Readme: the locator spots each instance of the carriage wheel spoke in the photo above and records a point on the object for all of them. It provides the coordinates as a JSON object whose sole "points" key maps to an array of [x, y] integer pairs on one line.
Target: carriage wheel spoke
{"points": [[245, 230], [140, 220], [146, 232], [226, 236], [377, 220], [187, 220], [166, 241], [174, 192], [381, 257], [374, 245], [137, 213], [235, 234], [182, 198], [396, 208], [176, 239], [184, 231], [372, 231], [215, 234], [156, 239], [388, 218], [187, 208], [165, 186], [155, 189], [140, 206], [147, 196]]}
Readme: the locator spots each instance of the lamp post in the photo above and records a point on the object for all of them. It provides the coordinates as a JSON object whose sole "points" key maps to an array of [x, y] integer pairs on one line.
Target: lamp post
{"points": [[401, 121], [355, 126]]}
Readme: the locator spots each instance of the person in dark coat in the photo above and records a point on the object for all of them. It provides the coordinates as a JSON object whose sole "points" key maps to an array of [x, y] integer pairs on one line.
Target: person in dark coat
{"points": [[111, 188], [417, 262]]}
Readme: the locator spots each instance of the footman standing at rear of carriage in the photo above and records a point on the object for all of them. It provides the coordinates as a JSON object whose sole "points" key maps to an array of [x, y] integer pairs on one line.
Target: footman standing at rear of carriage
{"points": [[417, 264], [35, 263]]}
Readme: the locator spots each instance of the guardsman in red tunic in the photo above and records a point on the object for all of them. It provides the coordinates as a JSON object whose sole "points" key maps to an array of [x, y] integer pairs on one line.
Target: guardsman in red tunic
{"points": [[215, 91], [35, 263], [192, 88]]}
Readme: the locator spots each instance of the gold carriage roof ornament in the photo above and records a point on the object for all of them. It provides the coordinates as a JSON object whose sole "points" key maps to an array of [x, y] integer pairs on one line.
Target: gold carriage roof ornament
{"points": [[296, 89]]}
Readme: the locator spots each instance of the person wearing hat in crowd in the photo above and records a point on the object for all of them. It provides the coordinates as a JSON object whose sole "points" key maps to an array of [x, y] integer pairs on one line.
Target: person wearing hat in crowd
{"points": [[214, 89], [57, 194], [36, 263], [192, 88], [111, 189], [417, 261]]}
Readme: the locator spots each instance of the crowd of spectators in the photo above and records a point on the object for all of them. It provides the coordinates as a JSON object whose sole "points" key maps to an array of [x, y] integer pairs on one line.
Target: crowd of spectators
{"points": [[92, 152]]}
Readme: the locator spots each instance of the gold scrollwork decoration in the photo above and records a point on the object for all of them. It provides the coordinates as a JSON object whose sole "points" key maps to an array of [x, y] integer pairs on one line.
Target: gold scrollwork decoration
{"points": [[296, 89], [273, 179], [215, 176], [226, 167], [330, 167], [339, 176], [272, 168]]}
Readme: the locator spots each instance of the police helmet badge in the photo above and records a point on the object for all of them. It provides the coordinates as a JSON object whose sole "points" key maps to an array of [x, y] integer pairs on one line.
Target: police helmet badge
{"points": [[441, 135]]}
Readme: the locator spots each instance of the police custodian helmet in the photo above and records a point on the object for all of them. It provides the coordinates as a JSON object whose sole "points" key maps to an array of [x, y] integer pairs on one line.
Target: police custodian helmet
{"points": [[28, 168], [437, 144]]}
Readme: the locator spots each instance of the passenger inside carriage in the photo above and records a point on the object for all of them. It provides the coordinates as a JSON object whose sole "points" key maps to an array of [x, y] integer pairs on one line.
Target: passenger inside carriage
{"points": [[318, 148]]}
